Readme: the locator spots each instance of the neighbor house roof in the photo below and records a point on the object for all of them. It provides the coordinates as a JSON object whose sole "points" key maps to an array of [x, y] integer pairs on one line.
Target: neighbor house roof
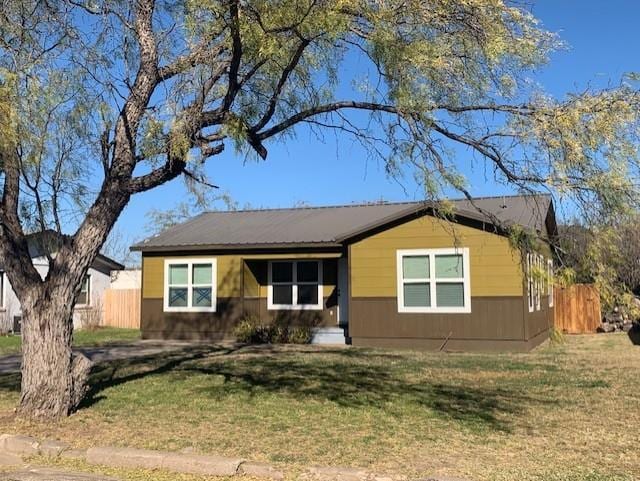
{"points": [[48, 241], [306, 227]]}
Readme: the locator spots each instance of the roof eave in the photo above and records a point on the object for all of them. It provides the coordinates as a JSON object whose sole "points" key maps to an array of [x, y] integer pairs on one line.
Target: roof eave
{"points": [[236, 247], [422, 210], [109, 262]]}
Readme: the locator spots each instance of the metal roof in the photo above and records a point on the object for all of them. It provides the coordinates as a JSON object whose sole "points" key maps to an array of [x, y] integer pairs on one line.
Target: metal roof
{"points": [[331, 226]]}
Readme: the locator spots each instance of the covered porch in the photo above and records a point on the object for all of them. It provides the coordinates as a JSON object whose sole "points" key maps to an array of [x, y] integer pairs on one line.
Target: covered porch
{"points": [[304, 289]]}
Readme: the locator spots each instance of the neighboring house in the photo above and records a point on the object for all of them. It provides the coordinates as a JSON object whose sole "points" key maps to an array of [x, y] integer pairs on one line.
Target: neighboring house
{"points": [[89, 303], [126, 279], [391, 275]]}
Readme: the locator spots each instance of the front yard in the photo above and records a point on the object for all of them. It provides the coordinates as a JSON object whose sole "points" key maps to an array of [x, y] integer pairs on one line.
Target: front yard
{"points": [[81, 338], [566, 412]]}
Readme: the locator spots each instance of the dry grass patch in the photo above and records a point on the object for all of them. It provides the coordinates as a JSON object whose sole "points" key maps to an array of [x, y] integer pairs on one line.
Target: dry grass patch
{"points": [[561, 413]]}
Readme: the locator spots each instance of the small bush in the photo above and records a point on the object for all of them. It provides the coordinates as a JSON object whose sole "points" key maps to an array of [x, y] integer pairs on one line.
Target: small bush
{"points": [[251, 330], [556, 336], [300, 335], [91, 316]]}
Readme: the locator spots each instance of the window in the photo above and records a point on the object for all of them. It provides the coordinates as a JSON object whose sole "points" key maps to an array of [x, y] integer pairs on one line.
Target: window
{"points": [[550, 281], [434, 280], [530, 283], [190, 285], [295, 285], [84, 298], [537, 281]]}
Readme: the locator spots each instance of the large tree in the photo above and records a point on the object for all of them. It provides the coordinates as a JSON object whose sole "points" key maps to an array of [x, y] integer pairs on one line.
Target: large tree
{"points": [[102, 100]]}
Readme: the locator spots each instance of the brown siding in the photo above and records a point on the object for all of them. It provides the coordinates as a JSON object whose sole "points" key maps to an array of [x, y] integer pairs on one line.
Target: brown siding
{"points": [[497, 318], [241, 290], [455, 345], [540, 321], [157, 324], [323, 318]]}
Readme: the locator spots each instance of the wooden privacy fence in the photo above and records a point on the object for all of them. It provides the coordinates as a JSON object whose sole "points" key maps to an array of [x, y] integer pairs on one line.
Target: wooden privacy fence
{"points": [[577, 309], [122, 308]]}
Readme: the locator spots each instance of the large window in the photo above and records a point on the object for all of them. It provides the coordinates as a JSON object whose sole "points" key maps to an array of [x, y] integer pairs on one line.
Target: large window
{"points": [[295, 285], [84, 298], [190, 285], [434, 280]]}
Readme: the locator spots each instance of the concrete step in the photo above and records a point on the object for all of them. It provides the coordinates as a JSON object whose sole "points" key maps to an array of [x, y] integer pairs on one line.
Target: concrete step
{"points": [[328, 335]]}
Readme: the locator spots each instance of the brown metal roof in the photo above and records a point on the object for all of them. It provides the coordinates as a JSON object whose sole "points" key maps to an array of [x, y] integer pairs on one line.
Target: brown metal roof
{"points": [[309, 227]]}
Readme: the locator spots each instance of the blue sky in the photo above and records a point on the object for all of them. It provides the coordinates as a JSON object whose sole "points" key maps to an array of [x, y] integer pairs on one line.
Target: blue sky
{"points": [[603, 42]]}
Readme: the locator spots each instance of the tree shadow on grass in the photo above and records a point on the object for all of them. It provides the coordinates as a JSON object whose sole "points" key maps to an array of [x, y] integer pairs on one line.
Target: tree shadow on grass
{"points": [[375, 386], [348, 378], [10, 382], [117, 372]]}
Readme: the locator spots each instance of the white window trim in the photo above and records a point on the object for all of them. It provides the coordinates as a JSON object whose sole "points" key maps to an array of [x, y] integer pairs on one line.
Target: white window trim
{"points": [[89, 292], [535, 286], [3, 301], [214, 284], [294, 294], [550, 281], [465, 280], [530, 284], [539, 283]]}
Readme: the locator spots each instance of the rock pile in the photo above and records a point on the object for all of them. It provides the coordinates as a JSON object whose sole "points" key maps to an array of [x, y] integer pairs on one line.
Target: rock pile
{"points": [[615, 321]]}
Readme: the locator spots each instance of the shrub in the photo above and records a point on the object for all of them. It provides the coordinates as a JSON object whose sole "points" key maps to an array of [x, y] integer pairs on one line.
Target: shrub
{"points": [[251, 330], [556, 336], [299, 335]]}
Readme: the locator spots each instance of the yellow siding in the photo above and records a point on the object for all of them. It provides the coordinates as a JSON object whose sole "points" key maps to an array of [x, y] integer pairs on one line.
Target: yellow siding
{"points": [[152, 277], [228, 276], [495, 267], [251, 284]]}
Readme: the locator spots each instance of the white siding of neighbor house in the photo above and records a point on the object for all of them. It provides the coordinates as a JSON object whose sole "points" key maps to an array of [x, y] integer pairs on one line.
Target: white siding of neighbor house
{"points": [[99, 282], [127, 279]]}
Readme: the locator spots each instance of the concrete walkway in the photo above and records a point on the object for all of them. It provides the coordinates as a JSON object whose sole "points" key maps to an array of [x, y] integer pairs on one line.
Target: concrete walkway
{"points": [[11, 364]]}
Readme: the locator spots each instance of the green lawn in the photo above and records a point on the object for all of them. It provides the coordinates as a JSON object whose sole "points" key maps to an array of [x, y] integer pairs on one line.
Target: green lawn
{"points": [[566, 412], [99, 337]]}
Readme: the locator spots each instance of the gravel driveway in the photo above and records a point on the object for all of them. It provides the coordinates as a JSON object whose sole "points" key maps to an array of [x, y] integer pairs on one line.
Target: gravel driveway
{"points": [[11, 364]]}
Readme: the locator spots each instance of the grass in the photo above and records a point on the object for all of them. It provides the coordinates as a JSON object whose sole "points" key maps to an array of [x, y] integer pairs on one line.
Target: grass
{"points": [[99, 337], [566, 412]]}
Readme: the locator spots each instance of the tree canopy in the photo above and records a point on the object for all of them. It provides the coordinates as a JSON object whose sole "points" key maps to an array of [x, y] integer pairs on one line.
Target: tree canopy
{"points": [[193, 76]]}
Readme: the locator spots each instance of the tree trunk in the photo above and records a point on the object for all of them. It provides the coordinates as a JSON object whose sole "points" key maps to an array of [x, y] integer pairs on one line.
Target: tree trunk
{"points": [[54, 379]]}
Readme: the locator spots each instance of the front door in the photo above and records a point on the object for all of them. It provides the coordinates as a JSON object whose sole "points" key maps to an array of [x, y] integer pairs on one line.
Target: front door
{"points": [[343, 292]]}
